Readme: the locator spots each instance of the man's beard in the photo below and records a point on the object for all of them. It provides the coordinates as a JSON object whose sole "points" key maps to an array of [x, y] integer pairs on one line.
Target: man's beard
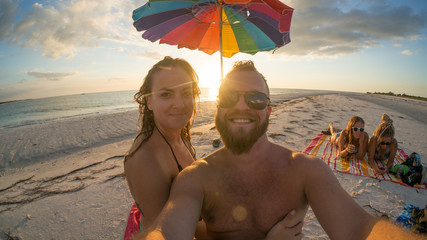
{"points": [[239, 142]]}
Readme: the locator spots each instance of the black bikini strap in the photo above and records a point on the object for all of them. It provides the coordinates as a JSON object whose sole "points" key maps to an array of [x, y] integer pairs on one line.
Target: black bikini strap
{"points": [[173, 153]]}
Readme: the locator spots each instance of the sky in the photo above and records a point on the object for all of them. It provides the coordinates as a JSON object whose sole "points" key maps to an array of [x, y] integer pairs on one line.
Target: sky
{"points": [[61, 47]]}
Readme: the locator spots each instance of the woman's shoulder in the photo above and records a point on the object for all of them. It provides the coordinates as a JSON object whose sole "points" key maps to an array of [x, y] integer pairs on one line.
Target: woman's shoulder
{"points": [[343, 135], [373, 139], [366, 135], [146, 157], [139, 161]]}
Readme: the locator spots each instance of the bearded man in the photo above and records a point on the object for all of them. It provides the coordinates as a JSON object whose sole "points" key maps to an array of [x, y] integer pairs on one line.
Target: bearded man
{"points": [[243, 189]]}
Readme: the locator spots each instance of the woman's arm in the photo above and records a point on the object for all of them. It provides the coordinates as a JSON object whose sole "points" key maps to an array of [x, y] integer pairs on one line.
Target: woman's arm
{"points": [[179, 217], [393, 150], [290, 228], [371, 154], [341, 143], [363, 143], [149, 182]]}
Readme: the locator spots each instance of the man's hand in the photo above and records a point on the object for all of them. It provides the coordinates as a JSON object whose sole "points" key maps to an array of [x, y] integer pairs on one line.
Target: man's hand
{"points": [[290, 227]]}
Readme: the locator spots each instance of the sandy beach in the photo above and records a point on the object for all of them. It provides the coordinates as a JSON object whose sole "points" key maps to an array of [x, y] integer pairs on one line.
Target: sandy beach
{"points": [[64, 179]]}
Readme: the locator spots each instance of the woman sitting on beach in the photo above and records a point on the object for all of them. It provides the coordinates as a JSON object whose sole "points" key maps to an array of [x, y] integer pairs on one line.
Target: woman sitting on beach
{"points": [[162, 147], [382, 146], [352, 140]]}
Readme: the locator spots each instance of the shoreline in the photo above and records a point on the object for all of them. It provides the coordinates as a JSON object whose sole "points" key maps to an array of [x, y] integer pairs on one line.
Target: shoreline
{"points": [[43, 110], [80, 191], [12, 101]]}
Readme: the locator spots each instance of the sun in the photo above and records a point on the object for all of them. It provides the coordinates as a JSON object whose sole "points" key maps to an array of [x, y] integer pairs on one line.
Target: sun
{"points": [[211, 80]]}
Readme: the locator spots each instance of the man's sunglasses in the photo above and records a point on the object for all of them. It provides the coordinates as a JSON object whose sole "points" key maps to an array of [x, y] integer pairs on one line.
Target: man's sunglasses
{"points": [[358, 129], [255, 100], [385, 143]]}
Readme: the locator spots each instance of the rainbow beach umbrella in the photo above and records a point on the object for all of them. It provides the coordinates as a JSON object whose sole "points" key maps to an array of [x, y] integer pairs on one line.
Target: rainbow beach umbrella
{"points": [[227, 26]]}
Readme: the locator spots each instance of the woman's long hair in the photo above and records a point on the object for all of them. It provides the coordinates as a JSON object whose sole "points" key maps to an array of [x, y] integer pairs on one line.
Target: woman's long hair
{"points": [[385, 129], [348, 133], [146, 122]]}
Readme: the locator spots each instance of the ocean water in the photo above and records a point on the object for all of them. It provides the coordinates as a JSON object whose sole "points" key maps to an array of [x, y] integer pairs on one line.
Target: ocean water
{"points": [[34, 111]]}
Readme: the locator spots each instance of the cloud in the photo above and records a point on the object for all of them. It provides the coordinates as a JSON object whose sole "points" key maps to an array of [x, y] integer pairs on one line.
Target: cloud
{"points": [[150, 55], [23, 81], [49, 76], [8, 10], [61, 30], [116, 79], [333, 27], [319, 28], [407, 52]]}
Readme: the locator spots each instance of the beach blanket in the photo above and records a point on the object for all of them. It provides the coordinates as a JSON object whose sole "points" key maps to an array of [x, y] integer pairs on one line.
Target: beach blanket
{"points": [[322, 147]]}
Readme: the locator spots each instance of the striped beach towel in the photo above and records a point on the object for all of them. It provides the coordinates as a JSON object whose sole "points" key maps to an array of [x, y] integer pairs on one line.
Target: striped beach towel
{"points": [[322, 147]]}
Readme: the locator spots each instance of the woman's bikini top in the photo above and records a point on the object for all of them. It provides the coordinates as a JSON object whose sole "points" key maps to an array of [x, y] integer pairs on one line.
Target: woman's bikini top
{"points": [[173, 153]]}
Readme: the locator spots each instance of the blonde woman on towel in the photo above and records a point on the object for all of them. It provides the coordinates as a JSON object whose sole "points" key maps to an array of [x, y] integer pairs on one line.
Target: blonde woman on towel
{"points": [[382, 146], [353, 140]]}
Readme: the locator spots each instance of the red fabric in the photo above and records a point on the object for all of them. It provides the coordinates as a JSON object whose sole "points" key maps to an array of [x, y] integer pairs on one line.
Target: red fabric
{"points": [[133, 224]]}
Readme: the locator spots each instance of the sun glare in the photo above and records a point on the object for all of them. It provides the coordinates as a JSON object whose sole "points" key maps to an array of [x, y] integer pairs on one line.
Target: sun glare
{"points": [[209, 79]]}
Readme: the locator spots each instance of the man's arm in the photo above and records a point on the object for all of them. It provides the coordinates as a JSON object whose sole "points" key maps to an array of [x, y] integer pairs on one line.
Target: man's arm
{"points": [[179, 217], [340, 216]]}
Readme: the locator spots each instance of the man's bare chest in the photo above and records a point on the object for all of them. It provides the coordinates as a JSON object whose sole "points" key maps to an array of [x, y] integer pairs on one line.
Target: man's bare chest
{"points": [[251, 205]]}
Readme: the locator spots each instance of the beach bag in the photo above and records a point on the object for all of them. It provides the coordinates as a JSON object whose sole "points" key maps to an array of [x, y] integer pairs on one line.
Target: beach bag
{"points": [[413, 161], [412, 178]]}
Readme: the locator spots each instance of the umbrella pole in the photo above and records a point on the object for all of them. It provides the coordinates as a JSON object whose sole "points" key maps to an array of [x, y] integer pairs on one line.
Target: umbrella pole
{"points": [[220, 38]]}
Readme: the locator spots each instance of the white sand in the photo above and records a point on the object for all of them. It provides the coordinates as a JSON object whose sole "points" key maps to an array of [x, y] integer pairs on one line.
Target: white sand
{"points": [[66, 179]]}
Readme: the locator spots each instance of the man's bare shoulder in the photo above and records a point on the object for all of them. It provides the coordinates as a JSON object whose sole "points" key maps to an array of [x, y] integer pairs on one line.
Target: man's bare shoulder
{"points": [[311, 163], [294, 157], [198, 168], [307, 166], [305, 158], [211, 159]]}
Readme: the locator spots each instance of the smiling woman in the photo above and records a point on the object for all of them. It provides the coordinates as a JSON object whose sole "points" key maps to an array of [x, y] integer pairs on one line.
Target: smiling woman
{"points": [[163, 145]]}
